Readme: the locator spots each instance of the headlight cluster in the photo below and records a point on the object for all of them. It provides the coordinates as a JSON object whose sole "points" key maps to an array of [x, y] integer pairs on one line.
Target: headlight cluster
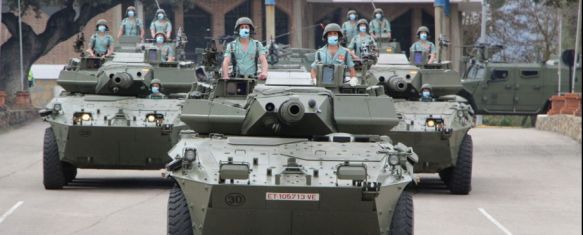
{"points": [[80, 117], [155, 117], [394, 160], [434, 122]]}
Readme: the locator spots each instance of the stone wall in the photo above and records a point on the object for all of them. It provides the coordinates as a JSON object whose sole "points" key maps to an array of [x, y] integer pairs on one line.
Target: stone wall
{"points": [[568, 125]]}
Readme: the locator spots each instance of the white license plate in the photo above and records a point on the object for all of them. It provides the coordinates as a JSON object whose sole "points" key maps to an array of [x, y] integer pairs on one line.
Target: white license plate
{"points": [[310, 197]]}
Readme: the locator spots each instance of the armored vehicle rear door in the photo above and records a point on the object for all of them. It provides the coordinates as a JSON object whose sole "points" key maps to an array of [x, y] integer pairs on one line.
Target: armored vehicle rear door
{"points": [[499, 89], [529, 93]]}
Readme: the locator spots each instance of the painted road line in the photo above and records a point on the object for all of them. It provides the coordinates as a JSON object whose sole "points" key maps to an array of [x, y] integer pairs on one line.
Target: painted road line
{"points": [[500, 226], [12, 209]]}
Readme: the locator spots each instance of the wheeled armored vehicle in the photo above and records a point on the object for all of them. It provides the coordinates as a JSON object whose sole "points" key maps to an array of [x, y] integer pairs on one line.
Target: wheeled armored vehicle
{"points": [[278, 159]]}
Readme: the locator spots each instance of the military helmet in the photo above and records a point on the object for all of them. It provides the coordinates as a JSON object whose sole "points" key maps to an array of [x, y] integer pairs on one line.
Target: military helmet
{"points": [[426, 86], [131, 8], [102, 22], [244, 20], [160, 33], [423, 29], [362, 21], [351, 12], [154, 81], [378, 10], [161, 11], [332, 27]]}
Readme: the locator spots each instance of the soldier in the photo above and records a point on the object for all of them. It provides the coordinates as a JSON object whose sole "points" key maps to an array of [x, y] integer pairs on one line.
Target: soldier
{"points": [[333, 53], [380, 27], [423, 45], [349, 28], [363, 38], [155, 92], [426, 95], [131, 25], [101, 44], [166, 51], [161, 24], [244, 52]]}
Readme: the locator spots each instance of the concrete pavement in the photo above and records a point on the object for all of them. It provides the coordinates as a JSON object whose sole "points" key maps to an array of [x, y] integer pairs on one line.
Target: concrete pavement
{"points": [[524, 182]]}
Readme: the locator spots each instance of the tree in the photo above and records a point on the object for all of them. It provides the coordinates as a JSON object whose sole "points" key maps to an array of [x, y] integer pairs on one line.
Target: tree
{"points": [[61, 25]]}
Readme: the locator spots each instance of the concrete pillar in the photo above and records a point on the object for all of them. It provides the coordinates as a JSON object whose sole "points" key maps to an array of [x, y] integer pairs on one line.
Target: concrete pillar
{"points": [[118, 13], [297, 27], [269, 19], [456, 38], [438, 26], [309, 36]]}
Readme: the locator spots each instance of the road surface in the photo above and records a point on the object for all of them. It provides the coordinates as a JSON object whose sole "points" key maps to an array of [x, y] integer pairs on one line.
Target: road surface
{"points": [[525, 181]]}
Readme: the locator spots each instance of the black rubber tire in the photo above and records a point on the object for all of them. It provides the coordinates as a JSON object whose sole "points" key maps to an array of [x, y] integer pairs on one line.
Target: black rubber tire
{"points": [[460, 181], [53, 176], [69, 171], [179, 222], [403, 220]]}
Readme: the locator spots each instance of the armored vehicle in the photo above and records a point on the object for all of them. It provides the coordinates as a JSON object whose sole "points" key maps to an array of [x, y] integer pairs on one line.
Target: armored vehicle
{"points": [[437, 130], [107, 117], [276, 159], [513, 88]]}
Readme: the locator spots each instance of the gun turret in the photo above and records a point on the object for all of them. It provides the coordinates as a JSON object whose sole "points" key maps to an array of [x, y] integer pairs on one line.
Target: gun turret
{"points": [[124, 80], [286, 111]]}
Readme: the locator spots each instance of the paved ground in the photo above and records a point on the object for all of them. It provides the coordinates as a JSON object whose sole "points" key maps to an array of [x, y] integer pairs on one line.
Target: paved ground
{"points": [[525, 182]]}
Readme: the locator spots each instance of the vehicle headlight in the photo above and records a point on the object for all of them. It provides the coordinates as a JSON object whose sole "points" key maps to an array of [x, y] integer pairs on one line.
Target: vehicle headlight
{"points": [[86, 117], [155, 117], [82, 116], [430, 123], [394, 160], [57, 107]]}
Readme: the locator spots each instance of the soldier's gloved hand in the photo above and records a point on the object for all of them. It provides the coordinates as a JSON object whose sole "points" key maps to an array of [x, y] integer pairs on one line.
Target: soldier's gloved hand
{"points": [[262, 76], [314, 82], [353, 81], [226, 77]]}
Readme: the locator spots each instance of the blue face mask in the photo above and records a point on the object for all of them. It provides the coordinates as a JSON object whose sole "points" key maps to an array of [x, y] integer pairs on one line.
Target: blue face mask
{"points": [[378, 16], [362, 29], [333, 40], [160, 39], [102, 28], [155, 90], [160, 16], [244, 33], [426, 94], [352, 17], [423, 36], [131, 13]]}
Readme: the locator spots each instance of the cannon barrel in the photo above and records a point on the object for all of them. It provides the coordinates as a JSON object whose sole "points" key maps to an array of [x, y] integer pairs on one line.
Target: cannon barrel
{"points": [[122, 80], [396, 83], [291, 111]]}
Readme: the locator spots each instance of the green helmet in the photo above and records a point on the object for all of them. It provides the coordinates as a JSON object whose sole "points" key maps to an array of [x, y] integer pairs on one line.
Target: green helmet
{"points": [[362, 21], [378, 10], [332, 27], [161, 11], [101, 22], [244, 20], [351, 12], [422, 29], [156, 81], [426, 86], [131, 8]]}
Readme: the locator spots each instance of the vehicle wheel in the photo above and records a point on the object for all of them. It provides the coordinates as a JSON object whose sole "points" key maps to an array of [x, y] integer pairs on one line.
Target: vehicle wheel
{"points": [[402, 222], [460, 181], [53, 176], [179, 222], [69, 171]]}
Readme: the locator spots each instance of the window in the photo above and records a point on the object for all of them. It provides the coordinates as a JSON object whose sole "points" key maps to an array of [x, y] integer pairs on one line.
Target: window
{"points": [[499, 75]]}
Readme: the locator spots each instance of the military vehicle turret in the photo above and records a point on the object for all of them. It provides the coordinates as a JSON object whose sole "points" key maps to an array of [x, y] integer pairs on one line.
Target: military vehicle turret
{"points": [[108, 117], [437, 130], [275, 159], [514, 88]]}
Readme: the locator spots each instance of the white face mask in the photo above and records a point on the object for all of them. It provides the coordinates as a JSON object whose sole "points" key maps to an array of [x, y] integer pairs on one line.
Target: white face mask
{"points": [[379, 16], [426, 93]]}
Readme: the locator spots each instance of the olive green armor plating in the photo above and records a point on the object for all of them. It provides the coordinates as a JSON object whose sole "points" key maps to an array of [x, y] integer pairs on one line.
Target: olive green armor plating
{"points": [[103, 119], [281, 154]]}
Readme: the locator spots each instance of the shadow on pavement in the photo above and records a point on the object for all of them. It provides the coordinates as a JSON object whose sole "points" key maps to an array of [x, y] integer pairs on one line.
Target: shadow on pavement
{"points": [[430, 185], [120, 183]]}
